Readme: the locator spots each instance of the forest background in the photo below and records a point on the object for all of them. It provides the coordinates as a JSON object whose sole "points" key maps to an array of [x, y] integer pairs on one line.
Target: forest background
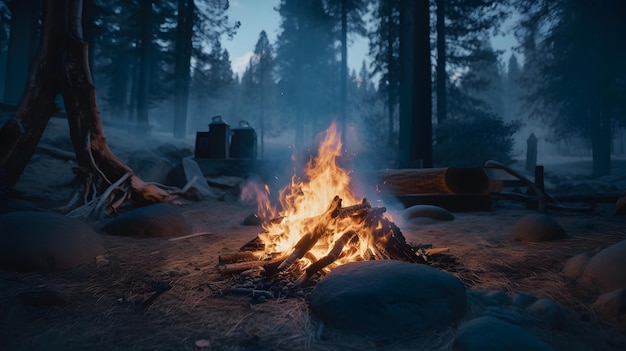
{"points": [[161, 67]]}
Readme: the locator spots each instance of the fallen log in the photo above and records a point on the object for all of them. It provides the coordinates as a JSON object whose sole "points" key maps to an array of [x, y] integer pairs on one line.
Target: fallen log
{"points": [[431, 181]]}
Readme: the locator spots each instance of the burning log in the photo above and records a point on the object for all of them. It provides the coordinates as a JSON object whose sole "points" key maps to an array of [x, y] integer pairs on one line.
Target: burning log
{"points": [[332, 256], [387, 243], [307, 241]]}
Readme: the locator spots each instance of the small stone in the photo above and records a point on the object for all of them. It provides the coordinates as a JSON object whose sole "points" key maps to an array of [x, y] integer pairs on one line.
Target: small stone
{"points": [[523, 300], [538, 227], [575, 266], [44, 241], [101, 261], [488, 298], [489, 333], [154, 221], [203, 343], [419, 212], [612, 305], [507, 315], [607, 269], [547, 312]]}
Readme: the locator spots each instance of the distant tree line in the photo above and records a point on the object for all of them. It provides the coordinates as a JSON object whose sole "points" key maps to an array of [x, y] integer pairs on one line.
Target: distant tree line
{"points": [[162, 64]]}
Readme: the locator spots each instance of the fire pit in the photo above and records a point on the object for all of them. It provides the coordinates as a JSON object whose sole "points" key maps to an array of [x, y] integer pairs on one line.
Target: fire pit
{"points": [[319, 224]]}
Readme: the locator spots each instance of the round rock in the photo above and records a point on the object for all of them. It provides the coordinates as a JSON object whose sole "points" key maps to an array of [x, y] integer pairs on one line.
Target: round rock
{"points": [[419, 213], [387, 299], [42, 241], [489, 333], [607, 268], [575, 266], [612, 305], [154, 221], [548, 313], [537, 227]]}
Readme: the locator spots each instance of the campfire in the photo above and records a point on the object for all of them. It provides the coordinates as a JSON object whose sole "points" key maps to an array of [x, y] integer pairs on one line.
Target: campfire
{"points": [[318, 225]]}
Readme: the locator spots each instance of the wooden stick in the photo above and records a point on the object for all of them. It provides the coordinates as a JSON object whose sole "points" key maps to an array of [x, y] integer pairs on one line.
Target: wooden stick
{"points": [[183, 237], [308, 240], [240, 257], [248, 291], [436, 251], [331, 257], [239, 267]]}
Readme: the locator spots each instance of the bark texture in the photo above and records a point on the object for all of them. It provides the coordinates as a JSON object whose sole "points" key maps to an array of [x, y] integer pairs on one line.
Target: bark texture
{"points": [[61, 66]]}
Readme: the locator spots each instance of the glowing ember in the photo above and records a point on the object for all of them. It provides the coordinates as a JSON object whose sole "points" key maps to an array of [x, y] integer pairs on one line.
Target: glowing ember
{"points": [[320, 218]]}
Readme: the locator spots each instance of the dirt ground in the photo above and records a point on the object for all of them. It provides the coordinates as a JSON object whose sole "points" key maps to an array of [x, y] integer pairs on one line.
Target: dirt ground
{"points": [[157, 294]]}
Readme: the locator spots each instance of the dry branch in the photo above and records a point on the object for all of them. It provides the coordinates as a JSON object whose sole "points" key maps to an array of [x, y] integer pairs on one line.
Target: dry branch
{"points": [[331, 257], [308, 240]]}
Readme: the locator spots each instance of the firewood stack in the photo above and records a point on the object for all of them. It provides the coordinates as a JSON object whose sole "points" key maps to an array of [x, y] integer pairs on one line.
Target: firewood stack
{"points": [[385, 238]]}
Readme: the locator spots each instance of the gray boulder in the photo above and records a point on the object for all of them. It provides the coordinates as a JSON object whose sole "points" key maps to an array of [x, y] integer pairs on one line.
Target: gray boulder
{"points": [[419, 214], [612, 306], [154, 221], [576, 265], [42, 241], [607, 268], [489, 333], [547, 312], [388, 299], [538, 227]]}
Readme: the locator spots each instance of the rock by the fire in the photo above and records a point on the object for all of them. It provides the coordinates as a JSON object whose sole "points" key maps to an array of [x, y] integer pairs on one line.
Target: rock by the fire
{"points": [[538, 227], [388, 299], [548, 313], [612, 306], [155, 221], [43, 241], [607, 268], [575, 266], [418, 213], [489, 333]]}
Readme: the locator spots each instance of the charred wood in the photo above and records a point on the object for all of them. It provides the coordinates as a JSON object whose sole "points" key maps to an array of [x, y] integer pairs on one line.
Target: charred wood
{"points": [[331, 257]]}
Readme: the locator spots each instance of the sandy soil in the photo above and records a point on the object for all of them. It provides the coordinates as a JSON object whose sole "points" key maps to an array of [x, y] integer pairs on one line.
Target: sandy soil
{"points": [[108, 306]]}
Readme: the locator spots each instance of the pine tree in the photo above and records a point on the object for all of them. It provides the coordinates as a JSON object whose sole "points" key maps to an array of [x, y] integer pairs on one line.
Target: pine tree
{"points": [[576, 72], [258, 87], [384, 50], [306, 62]]}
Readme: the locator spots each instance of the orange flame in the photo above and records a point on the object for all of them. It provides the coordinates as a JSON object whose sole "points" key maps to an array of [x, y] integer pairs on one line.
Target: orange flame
{"points": [[303, 202]]}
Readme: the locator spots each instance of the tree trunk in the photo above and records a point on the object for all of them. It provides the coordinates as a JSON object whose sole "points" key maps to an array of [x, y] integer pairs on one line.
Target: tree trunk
{"points": [[21, 49], [344, 71], [391, 96], [184, 33], [422, 83], [406, 158], [415, 143], [442, 77], [143, 93], [61, 66]]}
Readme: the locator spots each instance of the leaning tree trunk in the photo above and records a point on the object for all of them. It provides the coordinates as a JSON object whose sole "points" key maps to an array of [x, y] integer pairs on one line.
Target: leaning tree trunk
{"points": [[62, 67]]}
